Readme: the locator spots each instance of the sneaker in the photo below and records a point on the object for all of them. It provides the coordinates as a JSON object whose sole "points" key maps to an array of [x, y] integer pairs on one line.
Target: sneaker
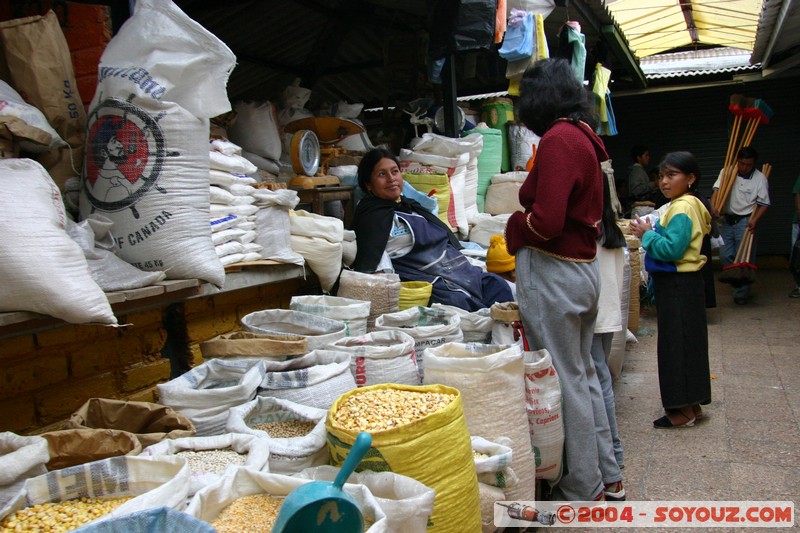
{"points": [[795, 293], [614, 492]]}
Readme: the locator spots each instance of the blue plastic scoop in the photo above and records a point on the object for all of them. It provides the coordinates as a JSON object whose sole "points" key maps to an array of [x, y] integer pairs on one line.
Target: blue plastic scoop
{"points": [[322, 505]]}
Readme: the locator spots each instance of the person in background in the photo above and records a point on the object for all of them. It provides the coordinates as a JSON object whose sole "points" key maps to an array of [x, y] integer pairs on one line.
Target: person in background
{"points": [[674, 261], [396, 234], [746, 204], [795, 293], [558, 280], [656, 197], [499, 261], [640, 188], [611, 258]]}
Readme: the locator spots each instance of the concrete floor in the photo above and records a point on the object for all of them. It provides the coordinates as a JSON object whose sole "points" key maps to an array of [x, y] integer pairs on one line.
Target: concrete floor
{"points": [[748, 445]]}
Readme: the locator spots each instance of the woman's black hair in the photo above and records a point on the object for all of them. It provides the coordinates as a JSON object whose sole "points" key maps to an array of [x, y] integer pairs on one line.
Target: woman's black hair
{"points": [[367, 165], [686, 163], [549, 90], [610, 235]]}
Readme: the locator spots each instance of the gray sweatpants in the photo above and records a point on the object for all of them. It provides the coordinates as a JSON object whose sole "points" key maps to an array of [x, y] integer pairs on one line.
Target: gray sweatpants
{"points": [[558, 306]]}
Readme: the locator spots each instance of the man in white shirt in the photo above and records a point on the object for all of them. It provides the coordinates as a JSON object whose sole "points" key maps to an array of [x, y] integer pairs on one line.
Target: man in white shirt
{"points": [[746, 204]]}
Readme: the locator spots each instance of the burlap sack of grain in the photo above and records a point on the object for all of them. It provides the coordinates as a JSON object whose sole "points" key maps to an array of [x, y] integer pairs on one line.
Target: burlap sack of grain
{"points": [[246, 344], [490, 379], [354, 313], [636, 281], [381, 357], [435, 450], [152, 483], [254, 450], [382, 291], [71, 447], [428, 326], [161, 78], [206, 393], [209, 502], [315, 379], [40, 65], [545, 418], [150, 422], [290, 454]]}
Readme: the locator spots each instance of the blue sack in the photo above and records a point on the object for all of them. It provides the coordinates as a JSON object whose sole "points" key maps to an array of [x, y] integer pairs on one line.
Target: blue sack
{"points": [[518, 40]]}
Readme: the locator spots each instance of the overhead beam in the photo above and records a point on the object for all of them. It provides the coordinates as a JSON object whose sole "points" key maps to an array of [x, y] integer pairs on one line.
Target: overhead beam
{"points": [[766, 60], [617, 44], [688, 17]]}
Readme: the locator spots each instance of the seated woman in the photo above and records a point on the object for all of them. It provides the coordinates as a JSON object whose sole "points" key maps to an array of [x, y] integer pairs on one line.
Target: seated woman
{"points": [[395, 233]]}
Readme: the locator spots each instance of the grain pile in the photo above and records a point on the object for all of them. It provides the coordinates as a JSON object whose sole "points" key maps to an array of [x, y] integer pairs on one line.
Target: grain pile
{"points": [[249, 514], [382, 409], [211, 461], [286, 429], [60, 517]]}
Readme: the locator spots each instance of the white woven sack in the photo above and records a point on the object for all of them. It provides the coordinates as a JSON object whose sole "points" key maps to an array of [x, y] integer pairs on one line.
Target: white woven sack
{"points": [[324, 258], [543, 399], [381, 357], [43, 270], [474, 145], [616, 357], [521, 141], [354, 313], [152, 481], [307, 224], [407, 503], [270, 165], [286, 455], [256, 129], [485, 226], [427, 326], [273, 226], [39, 136], [490, 379], [318, 331], [489, 495], [315, 379], [496, 469], [476, 326], [161, 78], [507, 327], [208, 503], [502, 196], [256, 451], [231, 163], [381, 290], [205, 393], [20, 458], [228, 179]]}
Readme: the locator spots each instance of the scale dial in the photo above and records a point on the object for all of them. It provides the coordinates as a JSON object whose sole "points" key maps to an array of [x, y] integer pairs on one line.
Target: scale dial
{"points": [[305, 152]]}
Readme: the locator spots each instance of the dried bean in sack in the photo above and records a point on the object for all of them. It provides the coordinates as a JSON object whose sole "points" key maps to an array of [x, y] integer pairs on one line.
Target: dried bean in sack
{"points": [[268, 490], [354, 313], [210, 457], [150, 422], [318, 331], [161, 78], [407, 503], [493, 462], [476, 326], [206, 393], [150, 482], [315, 379], [543, 402], [419, 432], [490, 379], [507, 325], [381, 357], [279, 423], [382, 291], [428, 326]]}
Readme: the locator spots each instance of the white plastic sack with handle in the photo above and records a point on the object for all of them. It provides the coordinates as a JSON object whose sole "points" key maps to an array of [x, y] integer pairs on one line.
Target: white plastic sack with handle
{"points": [[543, 402], [147, 164]]}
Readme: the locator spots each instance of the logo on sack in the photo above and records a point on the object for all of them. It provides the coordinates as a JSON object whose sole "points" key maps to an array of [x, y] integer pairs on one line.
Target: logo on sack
{"points": [[125, 155]]}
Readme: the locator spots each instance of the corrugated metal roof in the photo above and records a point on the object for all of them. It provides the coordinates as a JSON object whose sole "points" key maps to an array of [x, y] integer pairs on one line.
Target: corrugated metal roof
{"points": [[696, 63]]}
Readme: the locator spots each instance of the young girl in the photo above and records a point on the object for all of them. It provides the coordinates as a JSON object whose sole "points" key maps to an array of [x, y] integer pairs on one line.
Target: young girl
{"points": [[674, 261]]}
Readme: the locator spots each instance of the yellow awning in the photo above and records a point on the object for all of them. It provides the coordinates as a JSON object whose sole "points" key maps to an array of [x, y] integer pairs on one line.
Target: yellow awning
{"points": [[654, 26]]}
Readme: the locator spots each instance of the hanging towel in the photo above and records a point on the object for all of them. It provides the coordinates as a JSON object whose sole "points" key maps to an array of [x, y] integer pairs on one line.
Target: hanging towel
{"points": [[602, 76], [542, 52], [572, 46]]}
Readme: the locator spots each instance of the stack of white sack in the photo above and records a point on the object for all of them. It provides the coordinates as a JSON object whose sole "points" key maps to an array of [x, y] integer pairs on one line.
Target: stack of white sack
{"points": [[319, 240], [233, 226], [272, 224]]}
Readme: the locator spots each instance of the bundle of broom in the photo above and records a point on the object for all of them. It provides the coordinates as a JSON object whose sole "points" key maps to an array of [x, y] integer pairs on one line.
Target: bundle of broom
{"points": [[742, 271], [753, 112]]}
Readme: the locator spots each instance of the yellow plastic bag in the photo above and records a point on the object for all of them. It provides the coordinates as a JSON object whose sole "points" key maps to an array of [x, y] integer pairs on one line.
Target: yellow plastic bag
{"points": [[440, 185], [414, 293], [435, 450]]}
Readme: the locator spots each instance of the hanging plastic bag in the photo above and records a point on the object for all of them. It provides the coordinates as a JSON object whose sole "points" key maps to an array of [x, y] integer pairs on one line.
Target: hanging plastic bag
{"points": [[518, 41]]}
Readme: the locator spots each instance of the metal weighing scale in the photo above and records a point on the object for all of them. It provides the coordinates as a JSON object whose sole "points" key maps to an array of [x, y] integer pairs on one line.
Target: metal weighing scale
{"points": [[313, 146]]}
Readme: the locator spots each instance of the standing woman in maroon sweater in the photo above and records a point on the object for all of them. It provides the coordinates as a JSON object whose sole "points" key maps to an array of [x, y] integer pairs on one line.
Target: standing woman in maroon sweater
{"points": [[558, 279]]}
